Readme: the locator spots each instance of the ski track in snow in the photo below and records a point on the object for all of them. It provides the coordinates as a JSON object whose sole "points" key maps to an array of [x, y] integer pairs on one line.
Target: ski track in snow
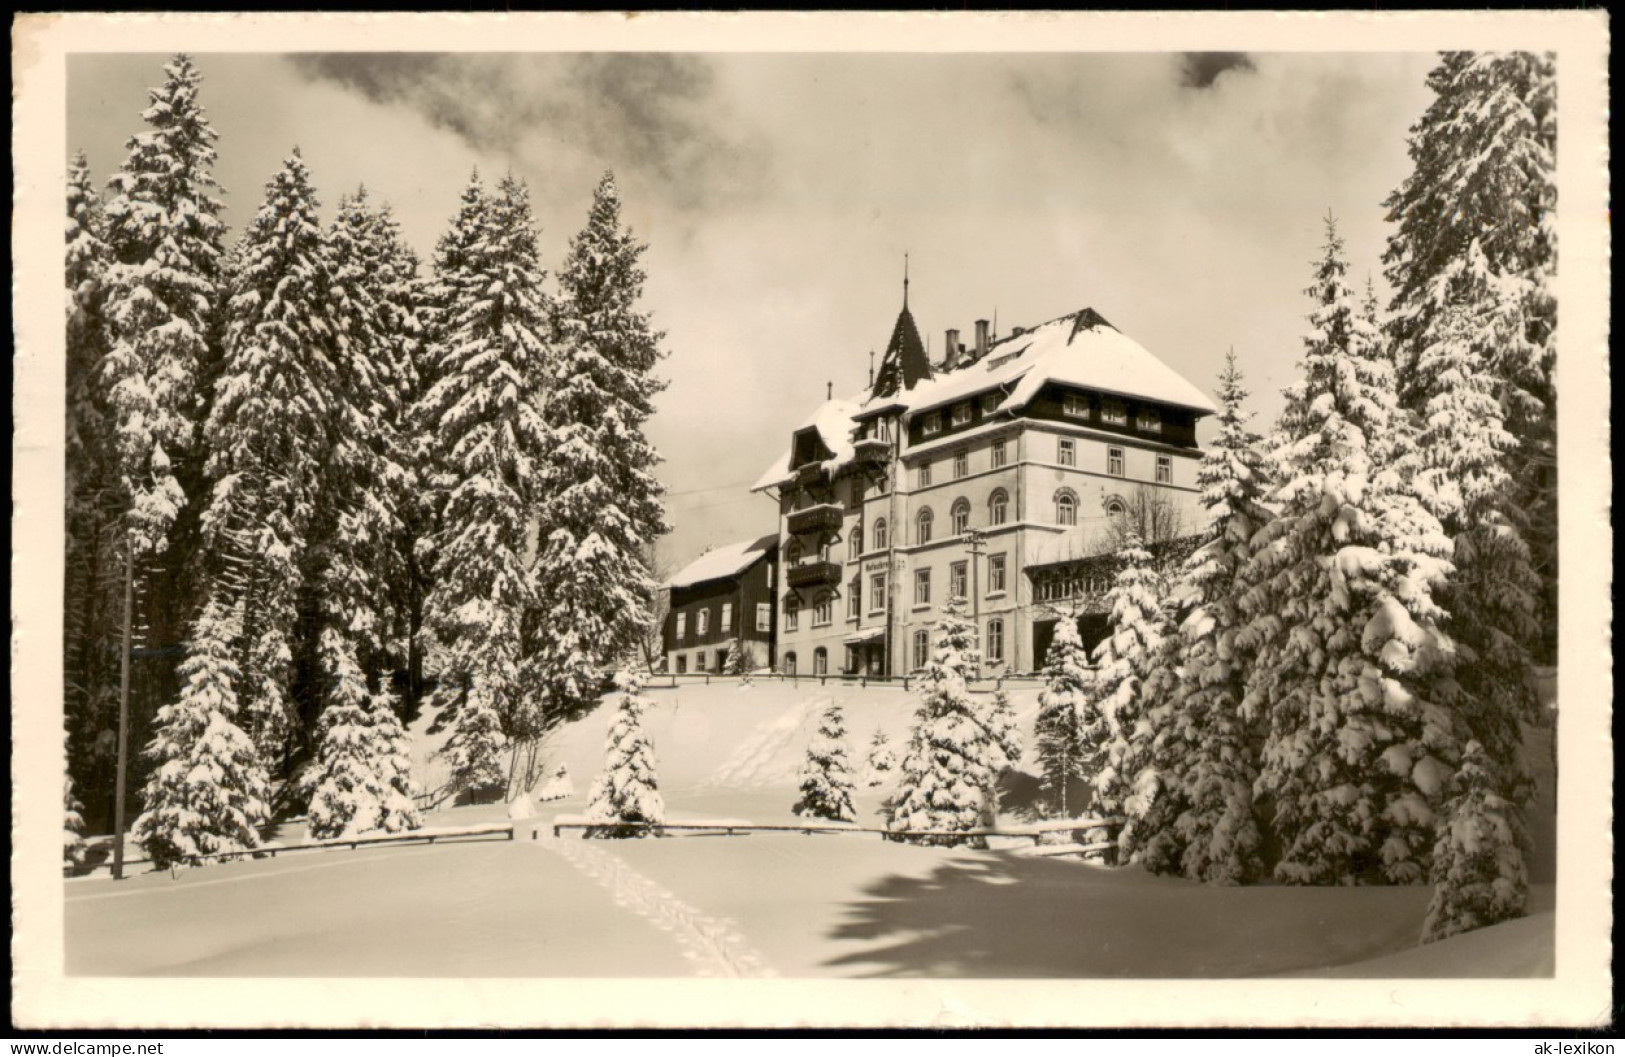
{"points": [[750, 764], [712, 945]]}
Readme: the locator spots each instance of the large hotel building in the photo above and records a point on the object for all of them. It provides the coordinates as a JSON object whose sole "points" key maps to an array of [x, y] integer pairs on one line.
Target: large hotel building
{"points": [[993, 476]]}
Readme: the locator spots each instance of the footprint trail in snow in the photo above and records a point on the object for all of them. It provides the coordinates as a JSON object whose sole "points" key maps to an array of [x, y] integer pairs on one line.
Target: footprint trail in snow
{"points": [[712, 945]]}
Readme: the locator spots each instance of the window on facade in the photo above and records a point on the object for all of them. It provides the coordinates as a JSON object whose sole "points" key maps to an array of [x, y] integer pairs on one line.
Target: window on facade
{"points": [[922, 475], [792, 613], [877, 592], [792, 552], [994, 654], [922, 648], [764, 617], [699, 661], [1066, 508], [682, 664], [998, 507], [1149, 420], [702, 621], [1074, 405], [682, 625], [922, 587], [932, 424], [1001, 454], [1165, 469], [823, 610], [922, 526], [1115, 507], [995, 573], [1114, 461], [727, 617], [855, 545], [957, 587], [880, 534], [1113, 412], [820, 661], [854, 598], [991, 402], [961, 414], [961, 464], [1066, 452], [961, 516], [789, 663]]}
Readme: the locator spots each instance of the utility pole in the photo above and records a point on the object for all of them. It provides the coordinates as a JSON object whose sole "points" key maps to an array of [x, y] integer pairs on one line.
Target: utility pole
{"points": [[123, 713], [974, 542]]}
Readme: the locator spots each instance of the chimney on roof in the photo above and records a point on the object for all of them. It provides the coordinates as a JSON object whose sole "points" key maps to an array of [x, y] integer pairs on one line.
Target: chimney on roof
{"points": [[981, 338], [950, 355]]}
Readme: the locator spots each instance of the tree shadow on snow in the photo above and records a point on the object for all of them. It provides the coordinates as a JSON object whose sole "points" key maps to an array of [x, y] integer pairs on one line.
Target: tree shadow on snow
{"points": [[996, 914]]}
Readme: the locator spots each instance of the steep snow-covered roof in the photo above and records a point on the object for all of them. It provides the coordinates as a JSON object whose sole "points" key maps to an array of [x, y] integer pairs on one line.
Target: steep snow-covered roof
{"points": [[727, 560], [833, 421], [1079, 349]]}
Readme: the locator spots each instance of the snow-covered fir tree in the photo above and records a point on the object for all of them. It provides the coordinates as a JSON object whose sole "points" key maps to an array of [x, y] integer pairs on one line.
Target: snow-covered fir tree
{"points": [[271, 438], [484, 412], [1060, 749], [164, 232], [1352, 673], [599, 504], [558, 786], [208, 790], [1478, 869], [92, 570], [628, 790], [947, 783], [826, 776], [1472, 260], [1210, 757], [361, 777], [881, 762], [73, 827], [1128, 783]]}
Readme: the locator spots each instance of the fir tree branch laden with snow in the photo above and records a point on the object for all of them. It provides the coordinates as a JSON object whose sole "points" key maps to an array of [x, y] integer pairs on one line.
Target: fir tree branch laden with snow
{"points": [[1472, 261], [164, 232], [628, 790], [957, 749], [1129, 660], [826, 777], [494, 362], [599, 507], [881, 761], [1352, 672], [1478, 869], [208, 789], [1060, 748], [1211, 757]]}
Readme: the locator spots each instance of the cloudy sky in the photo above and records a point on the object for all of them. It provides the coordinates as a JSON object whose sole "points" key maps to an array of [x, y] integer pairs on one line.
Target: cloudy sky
{"points": [[1180, 195]]}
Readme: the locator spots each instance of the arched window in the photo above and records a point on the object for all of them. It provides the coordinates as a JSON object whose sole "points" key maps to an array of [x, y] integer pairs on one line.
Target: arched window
{"points": [[789, 663], [961, 516], [792, 552], [792, 613], [995, 641], [922, 648], [856, 545], [1066, 507], [998, 507], [820, 661], [922, 526], [880, 534], [1115, 507]]}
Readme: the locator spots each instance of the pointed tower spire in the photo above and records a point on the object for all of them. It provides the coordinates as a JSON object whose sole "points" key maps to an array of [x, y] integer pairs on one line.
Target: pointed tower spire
{"points": [[905, 280]]}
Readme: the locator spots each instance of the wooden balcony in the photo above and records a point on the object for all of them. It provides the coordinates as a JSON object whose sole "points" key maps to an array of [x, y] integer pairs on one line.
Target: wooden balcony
{"points": [[871, 453], [813, 574], [823, 519]]}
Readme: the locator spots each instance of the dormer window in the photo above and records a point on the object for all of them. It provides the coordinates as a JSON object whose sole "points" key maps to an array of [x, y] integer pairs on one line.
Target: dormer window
{"points": [[932, 424], [1149, 421], [961, 414], [1113, 413], [991, 402], [1073, 405]]}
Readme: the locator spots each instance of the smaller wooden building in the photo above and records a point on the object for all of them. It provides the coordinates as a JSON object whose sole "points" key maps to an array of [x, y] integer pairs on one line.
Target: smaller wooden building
{"points": [[723, 597]]}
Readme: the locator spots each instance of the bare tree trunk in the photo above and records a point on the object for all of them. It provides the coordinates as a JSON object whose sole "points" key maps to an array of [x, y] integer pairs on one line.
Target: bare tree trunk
{"points": [[123, 716]]}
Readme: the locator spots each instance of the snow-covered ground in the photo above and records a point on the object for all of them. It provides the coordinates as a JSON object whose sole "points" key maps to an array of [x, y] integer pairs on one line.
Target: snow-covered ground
{"points": [[789, 905]]}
